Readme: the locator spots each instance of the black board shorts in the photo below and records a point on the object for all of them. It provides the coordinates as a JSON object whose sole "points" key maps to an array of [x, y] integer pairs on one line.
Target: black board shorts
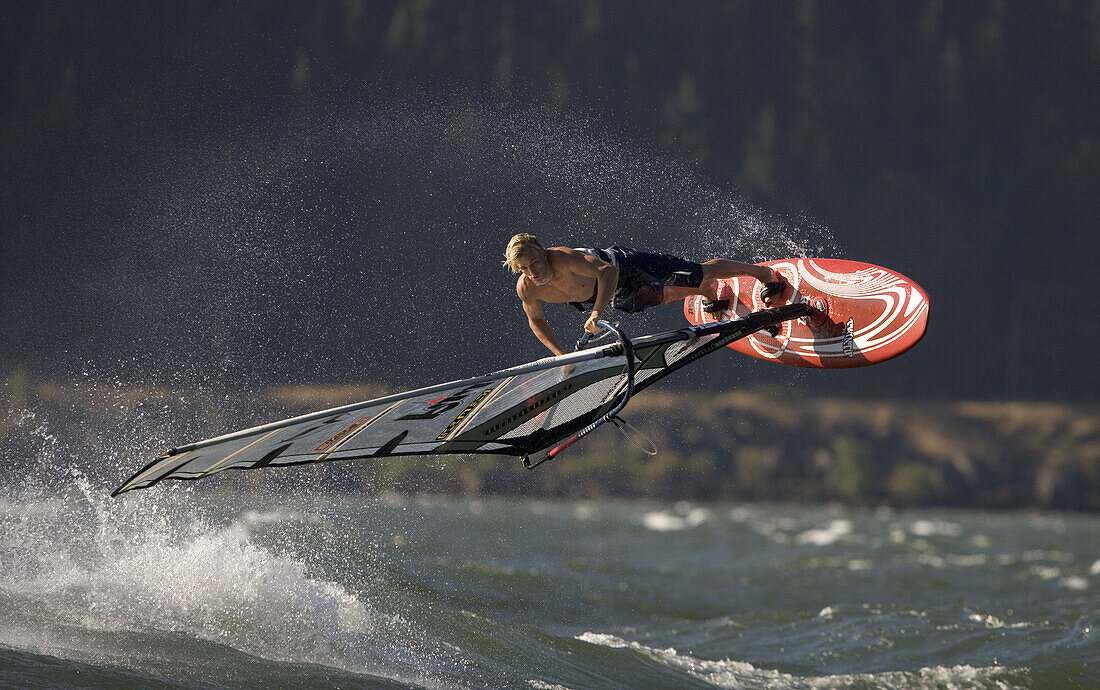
{"points": [[644, 275]]}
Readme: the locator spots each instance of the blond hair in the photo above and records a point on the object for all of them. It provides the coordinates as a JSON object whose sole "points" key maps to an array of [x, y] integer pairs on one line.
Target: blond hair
{"points": [[517, 245]]}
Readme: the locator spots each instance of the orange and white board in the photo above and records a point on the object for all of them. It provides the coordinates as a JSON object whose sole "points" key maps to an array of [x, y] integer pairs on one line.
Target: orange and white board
{"points": [[866, 314]]}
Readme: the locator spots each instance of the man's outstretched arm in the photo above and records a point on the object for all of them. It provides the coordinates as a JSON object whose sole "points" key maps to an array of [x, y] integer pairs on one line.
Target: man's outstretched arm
{"points": [[607, 279], [540, 326]]}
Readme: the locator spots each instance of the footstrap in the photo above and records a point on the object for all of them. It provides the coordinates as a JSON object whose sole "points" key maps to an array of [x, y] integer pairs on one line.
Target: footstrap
{"points": [[774, 288], [715, 306]]}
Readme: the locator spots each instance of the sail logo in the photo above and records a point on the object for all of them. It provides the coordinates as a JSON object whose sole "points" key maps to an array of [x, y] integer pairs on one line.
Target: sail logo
{"points": [[848, 345], [437, 406], [462, 415]]}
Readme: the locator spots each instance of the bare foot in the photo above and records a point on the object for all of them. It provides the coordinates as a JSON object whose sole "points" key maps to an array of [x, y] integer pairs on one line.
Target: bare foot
{"points": [[773, 290]]}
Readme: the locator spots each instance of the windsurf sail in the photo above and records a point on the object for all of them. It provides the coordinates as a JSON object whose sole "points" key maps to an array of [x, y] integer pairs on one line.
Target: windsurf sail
{"points": [[525, 411]]}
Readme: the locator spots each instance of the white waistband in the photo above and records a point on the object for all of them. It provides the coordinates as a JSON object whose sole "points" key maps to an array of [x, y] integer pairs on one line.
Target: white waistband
{"points": [[593, 253]]}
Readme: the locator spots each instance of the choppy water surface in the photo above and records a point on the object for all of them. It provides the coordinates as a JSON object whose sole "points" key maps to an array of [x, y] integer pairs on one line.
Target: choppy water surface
{"points": [[183, 586]]}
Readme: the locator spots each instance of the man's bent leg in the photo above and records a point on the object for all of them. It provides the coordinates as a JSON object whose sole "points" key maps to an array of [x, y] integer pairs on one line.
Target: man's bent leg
{"points": [[728, 268], [672, 293]]}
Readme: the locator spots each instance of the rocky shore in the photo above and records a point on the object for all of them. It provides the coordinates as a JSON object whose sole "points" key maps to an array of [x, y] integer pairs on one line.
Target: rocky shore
{"points": [[749, 446], [735, 445]]}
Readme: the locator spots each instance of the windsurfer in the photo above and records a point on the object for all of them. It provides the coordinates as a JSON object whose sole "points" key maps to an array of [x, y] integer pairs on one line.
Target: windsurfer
{"points": [[620, 277]]}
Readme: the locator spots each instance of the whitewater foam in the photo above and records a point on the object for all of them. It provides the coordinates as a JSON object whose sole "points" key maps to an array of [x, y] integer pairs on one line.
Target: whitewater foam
{"points": [[833, 532], [663, 521], [80, 569], [729, 673]]}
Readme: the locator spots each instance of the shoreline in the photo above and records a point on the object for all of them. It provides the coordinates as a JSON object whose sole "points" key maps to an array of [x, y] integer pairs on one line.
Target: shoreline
{"points": [[739, 445]]}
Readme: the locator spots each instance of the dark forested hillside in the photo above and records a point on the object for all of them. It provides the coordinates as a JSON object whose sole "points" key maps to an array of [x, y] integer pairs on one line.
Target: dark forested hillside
{"points": [[956, 142]]}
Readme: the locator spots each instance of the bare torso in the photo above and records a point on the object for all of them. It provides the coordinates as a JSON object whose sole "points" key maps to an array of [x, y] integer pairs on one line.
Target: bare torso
{"points": [[563, 284], [561, 274]]}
